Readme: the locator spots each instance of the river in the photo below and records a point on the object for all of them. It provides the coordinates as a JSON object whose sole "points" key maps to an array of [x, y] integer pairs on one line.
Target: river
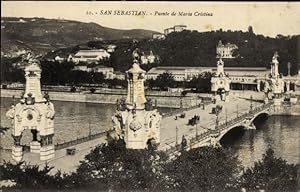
{"points": [[73, 119]]}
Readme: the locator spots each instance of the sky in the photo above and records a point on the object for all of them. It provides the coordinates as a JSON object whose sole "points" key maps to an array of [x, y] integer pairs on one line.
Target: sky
{"points": [[268, 19]]}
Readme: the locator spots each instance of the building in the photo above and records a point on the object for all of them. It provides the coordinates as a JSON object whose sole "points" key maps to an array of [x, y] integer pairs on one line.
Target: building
{"points": [[89, 56], [108, 72], [119, 75], [148, 58], [179, 73], [82, 68], [158, 36], [220, 83], [176, 28], [111, 48], [179, 28], [241, 77], [225, 51], [59, 59]]}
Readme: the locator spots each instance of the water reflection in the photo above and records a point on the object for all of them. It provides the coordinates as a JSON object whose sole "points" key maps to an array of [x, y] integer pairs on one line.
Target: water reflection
{"points": [[72, 120], [80, 119], [279, 133]]}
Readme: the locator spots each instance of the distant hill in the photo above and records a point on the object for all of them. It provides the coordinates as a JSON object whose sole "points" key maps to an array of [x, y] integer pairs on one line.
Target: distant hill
{"points": [[192, 48], [43, 35]]}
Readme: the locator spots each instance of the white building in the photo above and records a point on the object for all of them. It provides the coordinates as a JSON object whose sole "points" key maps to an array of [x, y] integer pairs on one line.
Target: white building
{"points": [[179, 73], [59, 59], [111, 48], [225, 51], [82, 68], [158, 36], [176, 28], [108, 72], [241, 77], [89, 56], [148, 58], [119, 75]]}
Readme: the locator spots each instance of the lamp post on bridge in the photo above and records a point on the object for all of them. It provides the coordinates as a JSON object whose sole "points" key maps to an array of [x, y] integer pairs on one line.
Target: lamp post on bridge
{"points": [[176, 138], [197, 121], [217, 119], [226, 116], [251, 103], [237, 110]]}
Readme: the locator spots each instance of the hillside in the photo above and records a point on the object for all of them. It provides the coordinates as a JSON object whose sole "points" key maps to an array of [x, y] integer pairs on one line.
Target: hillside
{"points": [[192, 48], [43, 35]]}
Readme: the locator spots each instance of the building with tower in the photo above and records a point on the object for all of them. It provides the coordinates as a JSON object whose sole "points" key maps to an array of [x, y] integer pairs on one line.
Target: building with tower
{"points": [[34, 112], [220, 83], [135, 119], [225, 50]]}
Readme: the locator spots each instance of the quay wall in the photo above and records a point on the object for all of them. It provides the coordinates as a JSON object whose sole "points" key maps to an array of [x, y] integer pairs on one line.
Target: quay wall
{"points": [[286, 110], [111, 98]]}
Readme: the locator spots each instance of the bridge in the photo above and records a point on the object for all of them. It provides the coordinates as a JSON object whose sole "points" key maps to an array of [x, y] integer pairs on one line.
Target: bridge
{"points": [[213, 136], [235, 114]]}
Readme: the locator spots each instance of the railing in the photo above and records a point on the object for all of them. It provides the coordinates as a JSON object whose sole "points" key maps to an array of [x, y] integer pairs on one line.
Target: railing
{"points": [[221, 127], [66, 144], [80, 140]]}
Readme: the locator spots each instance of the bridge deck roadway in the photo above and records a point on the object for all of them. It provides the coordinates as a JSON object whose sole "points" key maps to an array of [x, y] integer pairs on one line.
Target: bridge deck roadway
{"points": [[168, 132], [237, 105]]}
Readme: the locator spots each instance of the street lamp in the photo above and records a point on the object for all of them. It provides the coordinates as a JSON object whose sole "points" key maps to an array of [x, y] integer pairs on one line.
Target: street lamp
{"points": [[237, 110], [176, 139], [217, 119], [251, 103], [226, 116], [90, 131], [197, 121]]}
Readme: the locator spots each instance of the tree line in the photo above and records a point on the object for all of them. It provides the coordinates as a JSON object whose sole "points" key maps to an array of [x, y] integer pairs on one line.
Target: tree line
{"points": [[63, 73], [113, 167], [195, 49]]}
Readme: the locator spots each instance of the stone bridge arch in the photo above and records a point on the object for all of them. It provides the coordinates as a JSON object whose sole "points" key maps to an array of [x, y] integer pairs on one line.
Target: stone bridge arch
{"points": [[245, 124]]}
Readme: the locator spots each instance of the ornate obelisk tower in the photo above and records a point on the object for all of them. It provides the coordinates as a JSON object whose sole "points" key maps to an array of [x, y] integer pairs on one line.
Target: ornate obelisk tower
{"points": [[220, 83], [34, 112], [277, 82], [137, 124]]}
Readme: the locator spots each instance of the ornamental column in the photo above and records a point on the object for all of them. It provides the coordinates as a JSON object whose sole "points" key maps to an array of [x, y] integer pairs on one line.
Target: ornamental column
{"points": [[34, 112]]}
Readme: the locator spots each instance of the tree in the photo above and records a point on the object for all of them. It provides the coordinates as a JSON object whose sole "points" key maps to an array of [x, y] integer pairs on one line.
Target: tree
{"points": [[201, 83], [98, 77], [113, 167], [204, 169], [271, 174], [30, 176], [165, 80], [55, 73]]}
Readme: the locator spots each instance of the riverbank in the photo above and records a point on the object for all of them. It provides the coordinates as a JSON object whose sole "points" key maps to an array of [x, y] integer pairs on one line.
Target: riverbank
{"points": [[172, 100]]}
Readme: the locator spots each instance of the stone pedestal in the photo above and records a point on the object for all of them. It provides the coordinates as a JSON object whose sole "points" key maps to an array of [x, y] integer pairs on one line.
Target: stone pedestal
{"points": [[266, 100], [251, 126], [17, 153], [35, 146], [47, 152], [214, 134], [277, 101], [293, 100]]}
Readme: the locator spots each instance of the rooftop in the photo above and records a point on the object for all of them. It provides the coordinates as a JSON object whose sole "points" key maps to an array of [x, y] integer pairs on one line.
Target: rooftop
{"points": [[177, 69]]}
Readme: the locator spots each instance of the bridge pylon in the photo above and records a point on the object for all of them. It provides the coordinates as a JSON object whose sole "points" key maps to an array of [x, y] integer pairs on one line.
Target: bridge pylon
{"points": [[214, 141]]}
